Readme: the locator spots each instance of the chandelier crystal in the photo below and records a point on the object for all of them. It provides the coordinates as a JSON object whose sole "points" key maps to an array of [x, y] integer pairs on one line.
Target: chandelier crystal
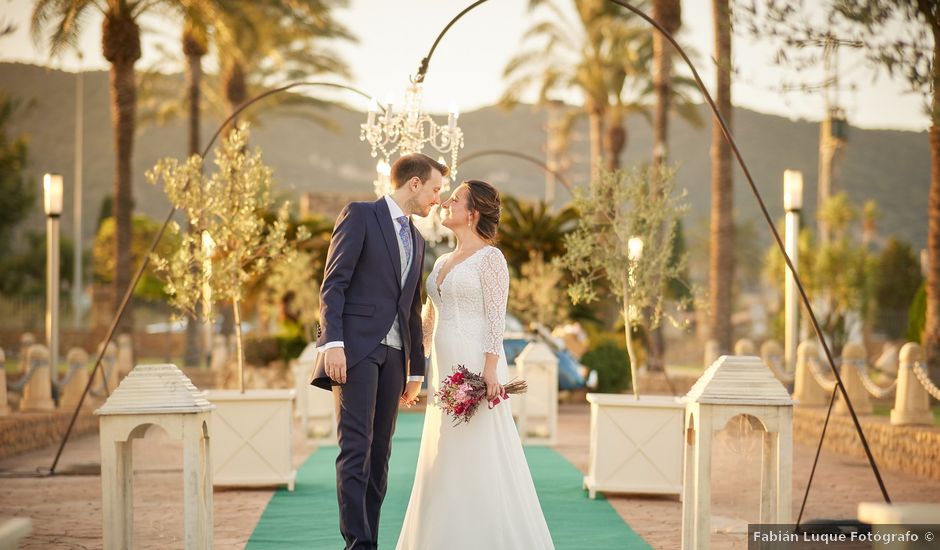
{"points": [[409, 130]]}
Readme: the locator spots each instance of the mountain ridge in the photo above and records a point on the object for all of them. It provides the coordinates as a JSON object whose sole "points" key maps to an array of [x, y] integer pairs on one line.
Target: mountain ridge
{"points": [[891, 167]]}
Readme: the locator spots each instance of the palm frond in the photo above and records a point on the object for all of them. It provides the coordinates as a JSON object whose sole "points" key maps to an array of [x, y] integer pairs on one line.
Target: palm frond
{"points": [[64, 16]]}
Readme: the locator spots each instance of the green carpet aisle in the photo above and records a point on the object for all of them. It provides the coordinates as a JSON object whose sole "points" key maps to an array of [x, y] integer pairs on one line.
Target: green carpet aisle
{"points": [[307, 518]]}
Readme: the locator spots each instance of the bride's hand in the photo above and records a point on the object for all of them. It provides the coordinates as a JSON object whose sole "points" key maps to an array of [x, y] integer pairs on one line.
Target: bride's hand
{"points": [[493, 388]]}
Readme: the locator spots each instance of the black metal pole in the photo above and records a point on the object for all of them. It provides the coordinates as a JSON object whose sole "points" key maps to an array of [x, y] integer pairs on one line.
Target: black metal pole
{"points": [[422, 70], [156, 240], [522, 156]]}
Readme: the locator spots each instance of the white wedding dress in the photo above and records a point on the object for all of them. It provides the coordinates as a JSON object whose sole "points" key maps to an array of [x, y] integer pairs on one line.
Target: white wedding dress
{"points": [[472, 489]]}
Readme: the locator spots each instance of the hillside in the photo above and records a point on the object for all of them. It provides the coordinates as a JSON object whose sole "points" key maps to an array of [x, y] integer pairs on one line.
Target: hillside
{"points": [[891, 167]]}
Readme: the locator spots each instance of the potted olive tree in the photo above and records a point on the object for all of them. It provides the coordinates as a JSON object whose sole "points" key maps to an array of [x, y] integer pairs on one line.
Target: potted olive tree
{"points": [[624, 240], [229, 245]]}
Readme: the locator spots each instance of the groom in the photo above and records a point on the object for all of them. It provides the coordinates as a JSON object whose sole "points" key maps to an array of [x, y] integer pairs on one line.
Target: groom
{"points": [[370, 339]]}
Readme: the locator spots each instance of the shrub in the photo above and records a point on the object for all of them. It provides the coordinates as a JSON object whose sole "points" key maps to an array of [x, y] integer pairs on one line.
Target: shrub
{"points": [[261, 350], [290, 347], [608, 356], [917, 315]]}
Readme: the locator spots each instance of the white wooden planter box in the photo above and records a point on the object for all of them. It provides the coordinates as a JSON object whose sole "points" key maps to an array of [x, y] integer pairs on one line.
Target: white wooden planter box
{"points": [[316, 408], [251, 438], [636, 446]]}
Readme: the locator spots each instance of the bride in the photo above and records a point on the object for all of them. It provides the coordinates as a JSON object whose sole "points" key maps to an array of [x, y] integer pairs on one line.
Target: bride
{"points": [[472, 488]]}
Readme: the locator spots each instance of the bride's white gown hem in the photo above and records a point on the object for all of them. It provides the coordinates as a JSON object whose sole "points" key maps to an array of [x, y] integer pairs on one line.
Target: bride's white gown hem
{"points": [[472, 488]]}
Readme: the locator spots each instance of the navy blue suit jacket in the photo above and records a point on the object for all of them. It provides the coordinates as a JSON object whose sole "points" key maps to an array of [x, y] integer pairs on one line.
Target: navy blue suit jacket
{"points": [[362, 291]]}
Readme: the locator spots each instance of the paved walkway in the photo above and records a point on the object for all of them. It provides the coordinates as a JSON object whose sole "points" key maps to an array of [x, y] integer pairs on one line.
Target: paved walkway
{"points": [[66, 510]]}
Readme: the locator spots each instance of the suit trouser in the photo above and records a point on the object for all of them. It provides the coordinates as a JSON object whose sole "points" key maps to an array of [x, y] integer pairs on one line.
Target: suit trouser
{"points": [[367, 407]]}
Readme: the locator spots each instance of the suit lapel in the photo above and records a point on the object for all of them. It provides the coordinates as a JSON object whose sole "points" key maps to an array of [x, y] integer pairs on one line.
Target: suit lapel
{"points": [[389, 233]]}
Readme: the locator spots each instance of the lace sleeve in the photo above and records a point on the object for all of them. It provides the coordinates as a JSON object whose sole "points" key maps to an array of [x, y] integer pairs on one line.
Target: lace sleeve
{"points": [[427, 325], [494, 277]]}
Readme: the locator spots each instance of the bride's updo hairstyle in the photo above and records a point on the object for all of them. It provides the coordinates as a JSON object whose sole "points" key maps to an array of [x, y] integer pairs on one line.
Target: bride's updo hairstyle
{"points": [[483, 199]]}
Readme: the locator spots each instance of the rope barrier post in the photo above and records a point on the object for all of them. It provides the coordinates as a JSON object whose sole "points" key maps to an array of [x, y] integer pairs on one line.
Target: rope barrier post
{"points": [[912, 400], [853, 356]]}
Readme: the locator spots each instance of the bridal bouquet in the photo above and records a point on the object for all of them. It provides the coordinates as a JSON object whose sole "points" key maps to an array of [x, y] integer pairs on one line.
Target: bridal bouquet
{"points": [[462, 392]]}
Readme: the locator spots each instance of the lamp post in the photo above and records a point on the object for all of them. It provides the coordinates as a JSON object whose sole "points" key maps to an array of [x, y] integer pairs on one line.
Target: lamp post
{"points": [[77, 283], [792, 203], [52, 193], [634, 253]]}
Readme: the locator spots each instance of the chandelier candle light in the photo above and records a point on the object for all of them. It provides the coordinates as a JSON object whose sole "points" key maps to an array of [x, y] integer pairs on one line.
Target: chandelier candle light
{"points": [[409, 130]]}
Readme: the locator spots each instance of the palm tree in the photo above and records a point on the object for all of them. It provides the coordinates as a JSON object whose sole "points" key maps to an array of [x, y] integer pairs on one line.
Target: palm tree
{"points": [[605, 56], [667, 13], [279, 41], [120, 40], [570, 55], [627, 66], [634, 92], [721, 253], [532, 227], [195, 45]]}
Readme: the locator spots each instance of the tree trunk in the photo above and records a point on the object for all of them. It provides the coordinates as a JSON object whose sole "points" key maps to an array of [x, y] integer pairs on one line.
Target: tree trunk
{"points": [[194, 48], [121, 47], [932, 326], [667, 13], [596, 123], [236, 88], [721, 254], [627, 331], [239, 344], [615, 140]]}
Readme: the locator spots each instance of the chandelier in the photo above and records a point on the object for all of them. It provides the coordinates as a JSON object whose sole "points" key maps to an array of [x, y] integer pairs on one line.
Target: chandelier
{"points": [[409, 130]]}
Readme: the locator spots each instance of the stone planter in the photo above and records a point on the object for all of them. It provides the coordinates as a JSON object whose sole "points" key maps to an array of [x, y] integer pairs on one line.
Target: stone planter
{"points": [[252, 437], [636, 446]]}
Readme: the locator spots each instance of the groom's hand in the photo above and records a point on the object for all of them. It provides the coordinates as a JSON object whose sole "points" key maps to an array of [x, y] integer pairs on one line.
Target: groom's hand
{"points": [[336, 364], [410, 396]]}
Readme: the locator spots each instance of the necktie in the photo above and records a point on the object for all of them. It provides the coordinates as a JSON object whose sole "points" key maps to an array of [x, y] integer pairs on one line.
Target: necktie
{"points": [[405, 237]]}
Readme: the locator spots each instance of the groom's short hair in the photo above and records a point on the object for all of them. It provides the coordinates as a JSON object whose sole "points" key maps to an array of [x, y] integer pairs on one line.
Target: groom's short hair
{"points": [[415, 164]]}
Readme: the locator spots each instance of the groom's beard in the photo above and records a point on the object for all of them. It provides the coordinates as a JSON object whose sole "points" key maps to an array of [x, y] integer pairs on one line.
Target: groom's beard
{"points": [[417, 208]]}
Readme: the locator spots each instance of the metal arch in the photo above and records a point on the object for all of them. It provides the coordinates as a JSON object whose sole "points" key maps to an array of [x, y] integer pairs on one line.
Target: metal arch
{"points": [[422, 70], [505, 152], [156, 240]]}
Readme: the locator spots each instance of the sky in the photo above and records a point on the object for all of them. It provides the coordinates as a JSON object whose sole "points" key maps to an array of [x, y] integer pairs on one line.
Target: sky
{"points": [[466, 70]]}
